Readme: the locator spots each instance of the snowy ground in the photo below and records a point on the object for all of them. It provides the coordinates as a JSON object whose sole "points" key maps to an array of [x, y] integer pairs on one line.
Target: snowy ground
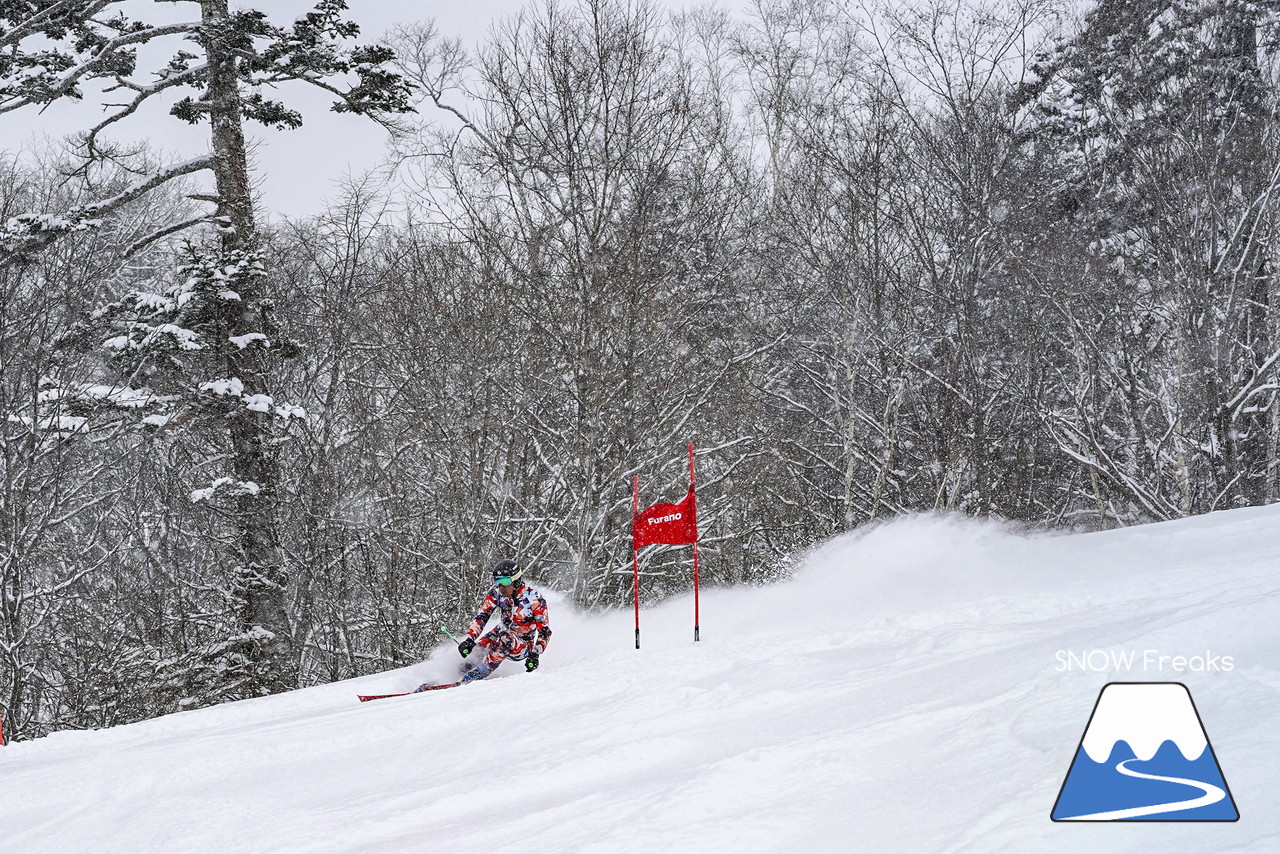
{"points": [[903, 694]]}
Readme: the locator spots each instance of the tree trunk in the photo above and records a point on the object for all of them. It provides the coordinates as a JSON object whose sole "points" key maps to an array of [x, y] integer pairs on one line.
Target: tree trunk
{"points": [[260, 579]]}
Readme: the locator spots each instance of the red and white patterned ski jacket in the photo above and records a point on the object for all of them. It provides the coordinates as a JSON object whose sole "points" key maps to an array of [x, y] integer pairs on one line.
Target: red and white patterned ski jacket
{"points": [[523, 613]]}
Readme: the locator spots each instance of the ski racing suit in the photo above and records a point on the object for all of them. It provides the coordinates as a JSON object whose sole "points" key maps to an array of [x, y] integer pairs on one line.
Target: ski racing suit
{"points": [[524, 627]]}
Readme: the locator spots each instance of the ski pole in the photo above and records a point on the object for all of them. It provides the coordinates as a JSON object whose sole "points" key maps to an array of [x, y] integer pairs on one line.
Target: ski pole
{"points": [[451, 637]]}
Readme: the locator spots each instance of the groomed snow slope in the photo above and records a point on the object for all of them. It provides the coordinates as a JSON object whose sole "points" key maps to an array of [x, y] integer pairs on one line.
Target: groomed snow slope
{"points": [[902, 694]]}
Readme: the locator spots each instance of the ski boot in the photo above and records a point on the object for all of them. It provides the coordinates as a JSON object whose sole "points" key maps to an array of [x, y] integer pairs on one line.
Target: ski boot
{"points": [[480, 671]]}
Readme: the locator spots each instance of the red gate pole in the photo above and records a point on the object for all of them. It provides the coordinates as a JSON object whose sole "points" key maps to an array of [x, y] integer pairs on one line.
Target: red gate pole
{"points": [[695, 548], [635, 559]]}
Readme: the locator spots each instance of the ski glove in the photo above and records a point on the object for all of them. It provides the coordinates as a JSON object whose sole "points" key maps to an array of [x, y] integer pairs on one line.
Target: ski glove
{"points": [[531, 663], [466, 646]]}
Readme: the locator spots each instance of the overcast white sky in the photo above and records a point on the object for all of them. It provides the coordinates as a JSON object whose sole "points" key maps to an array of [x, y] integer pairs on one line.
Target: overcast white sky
{"points": [[297, 170]]}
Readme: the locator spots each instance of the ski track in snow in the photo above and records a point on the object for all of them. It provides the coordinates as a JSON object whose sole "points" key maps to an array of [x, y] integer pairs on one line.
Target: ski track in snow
{"points": [[901, 694], [1210, 794]]}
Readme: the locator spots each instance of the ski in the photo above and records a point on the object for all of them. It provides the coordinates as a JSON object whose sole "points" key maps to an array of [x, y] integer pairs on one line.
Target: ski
{"points": [[364, 698]]}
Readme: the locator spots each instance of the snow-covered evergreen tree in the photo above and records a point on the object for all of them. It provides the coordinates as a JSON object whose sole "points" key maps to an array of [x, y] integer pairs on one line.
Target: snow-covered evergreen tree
{"points": [[1159, 119], [199, 351]]}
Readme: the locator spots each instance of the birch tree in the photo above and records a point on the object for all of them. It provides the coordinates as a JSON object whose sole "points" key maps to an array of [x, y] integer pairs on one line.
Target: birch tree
{"points": [[602, 206]]}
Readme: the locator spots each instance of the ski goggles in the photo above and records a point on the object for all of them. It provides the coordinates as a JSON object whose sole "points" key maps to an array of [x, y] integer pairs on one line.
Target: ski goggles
{"points": [[506, 580]]}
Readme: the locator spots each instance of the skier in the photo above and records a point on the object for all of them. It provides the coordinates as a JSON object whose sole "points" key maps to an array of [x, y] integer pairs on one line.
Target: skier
{"points": [[524, 631]]}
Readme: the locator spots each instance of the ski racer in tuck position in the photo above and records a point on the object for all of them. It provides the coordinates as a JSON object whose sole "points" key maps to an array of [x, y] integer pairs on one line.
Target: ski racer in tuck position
{"points": [[524, 630]]}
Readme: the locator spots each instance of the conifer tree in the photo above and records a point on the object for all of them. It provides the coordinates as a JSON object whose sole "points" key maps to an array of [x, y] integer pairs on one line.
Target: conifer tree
{"points": [[196, 355], [1156, 115]]}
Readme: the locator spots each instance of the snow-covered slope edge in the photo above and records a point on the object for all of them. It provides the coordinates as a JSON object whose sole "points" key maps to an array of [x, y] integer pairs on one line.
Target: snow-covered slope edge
{"points": [[902, 694]]}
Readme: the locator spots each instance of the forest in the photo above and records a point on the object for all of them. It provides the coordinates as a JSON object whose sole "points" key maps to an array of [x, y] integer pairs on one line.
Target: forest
{"points": [[1005, 259]]}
